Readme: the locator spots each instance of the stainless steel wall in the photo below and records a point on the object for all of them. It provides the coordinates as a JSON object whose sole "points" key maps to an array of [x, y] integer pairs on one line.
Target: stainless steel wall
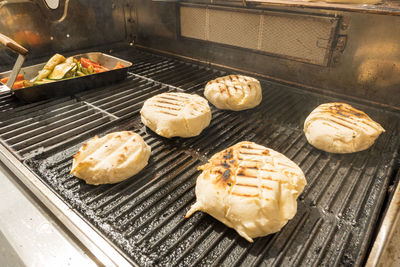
{"points": [[364, 61], [74, 25], [363, 58]]}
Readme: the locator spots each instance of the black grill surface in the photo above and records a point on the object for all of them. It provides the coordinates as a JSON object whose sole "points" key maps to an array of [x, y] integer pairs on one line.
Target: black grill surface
{"points": [[144, 216]]}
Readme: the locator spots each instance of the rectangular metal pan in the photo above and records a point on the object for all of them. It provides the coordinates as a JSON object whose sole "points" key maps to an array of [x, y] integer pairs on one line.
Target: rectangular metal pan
{"points": [[71, 86]]}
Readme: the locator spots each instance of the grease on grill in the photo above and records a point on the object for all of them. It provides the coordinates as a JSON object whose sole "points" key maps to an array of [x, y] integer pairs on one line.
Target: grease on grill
{"points": [[225, 165], [226, 175], [228, 154]]}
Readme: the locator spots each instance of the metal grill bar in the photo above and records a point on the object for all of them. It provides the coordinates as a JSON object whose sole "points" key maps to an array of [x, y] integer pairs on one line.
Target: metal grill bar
{"points": [[144, 216]]}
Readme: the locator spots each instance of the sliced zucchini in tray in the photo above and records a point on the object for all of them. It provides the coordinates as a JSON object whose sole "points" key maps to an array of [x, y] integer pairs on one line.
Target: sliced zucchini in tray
{"points": [[61, 70]]}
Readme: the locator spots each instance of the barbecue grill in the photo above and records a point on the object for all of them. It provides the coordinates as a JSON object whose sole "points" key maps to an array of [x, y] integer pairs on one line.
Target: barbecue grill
{"points": [[346, 213]]}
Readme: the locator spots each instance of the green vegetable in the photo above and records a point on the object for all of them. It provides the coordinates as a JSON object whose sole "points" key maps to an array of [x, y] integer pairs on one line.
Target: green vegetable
{"points": [[44, 81], [48, 68], [85, 71], [28, 83], [90, 69], [61, 70], [79, 73]]}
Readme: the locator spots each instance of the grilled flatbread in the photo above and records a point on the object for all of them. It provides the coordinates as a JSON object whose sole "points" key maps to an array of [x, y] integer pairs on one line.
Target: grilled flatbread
{"points": [[250, 188], [340, 128], [176, 114], [234, 92], [111, 159]]}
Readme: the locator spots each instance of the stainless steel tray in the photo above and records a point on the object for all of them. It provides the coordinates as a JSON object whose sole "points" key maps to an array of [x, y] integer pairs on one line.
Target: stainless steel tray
{"points": [[74, 85]]}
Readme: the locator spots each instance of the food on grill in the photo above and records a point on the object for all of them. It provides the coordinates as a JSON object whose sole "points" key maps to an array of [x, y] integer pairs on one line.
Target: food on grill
{"points": [[60, 68], [176, 114], [19, 81], [50, 65], [111, 159], [340, 128], [250, 188], [234, 92]]}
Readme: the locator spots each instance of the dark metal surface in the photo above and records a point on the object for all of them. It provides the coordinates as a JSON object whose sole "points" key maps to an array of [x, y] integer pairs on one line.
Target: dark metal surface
{"points": [[73, 25], [71, 86], [144, 216], [301, 37], [364, 63]]}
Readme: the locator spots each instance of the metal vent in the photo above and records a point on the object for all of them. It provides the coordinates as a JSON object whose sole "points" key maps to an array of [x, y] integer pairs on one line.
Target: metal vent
{"points": [[301, 37], [234, 28]]}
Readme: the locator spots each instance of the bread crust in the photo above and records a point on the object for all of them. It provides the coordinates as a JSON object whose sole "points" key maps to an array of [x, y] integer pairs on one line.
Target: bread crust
{"points": [[111, 159], [250, 188], [176, 114], [234, 92], [340, 128]]}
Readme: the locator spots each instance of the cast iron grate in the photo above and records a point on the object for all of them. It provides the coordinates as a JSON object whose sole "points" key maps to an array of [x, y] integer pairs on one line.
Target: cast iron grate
{"points": [[144, 216]]}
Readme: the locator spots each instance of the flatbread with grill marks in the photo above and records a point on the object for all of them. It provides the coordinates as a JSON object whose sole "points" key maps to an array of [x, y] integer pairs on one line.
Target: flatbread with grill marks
{"points": [[111, 159], [340, 128], [234, 92], [250, 188], [176, 114]]}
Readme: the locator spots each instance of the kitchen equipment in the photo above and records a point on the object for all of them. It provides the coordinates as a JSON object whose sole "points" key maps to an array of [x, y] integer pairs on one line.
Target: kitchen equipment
{"points": [[70, 86], [303, 54], [22, 52]]}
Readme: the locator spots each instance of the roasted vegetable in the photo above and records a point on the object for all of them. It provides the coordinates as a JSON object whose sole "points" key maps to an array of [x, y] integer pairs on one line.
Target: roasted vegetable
{"points": [[19, 81], [18, 85], [96, 67], [43, 82], [59, 68], [48, 68], [20, 77]]}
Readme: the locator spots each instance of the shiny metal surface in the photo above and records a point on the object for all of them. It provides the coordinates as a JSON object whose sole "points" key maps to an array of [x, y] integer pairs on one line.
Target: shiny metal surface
{"points": [[300, 37], [365, 60], [53, 4], [29, 234], [22, 52], [101, 249], [70, 86], [74, 24], [388, 7], [386, 249], [16, 69]]}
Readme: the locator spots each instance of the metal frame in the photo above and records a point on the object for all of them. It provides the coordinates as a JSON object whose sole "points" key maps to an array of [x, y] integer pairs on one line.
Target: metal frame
{"points": [[383, 7], [103, 250], [386, 230], [333, 39]]}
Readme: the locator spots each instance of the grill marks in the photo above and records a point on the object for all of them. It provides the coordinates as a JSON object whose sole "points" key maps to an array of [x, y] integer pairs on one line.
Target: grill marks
{"points": [[168, 107], [249, 170], [233, 84], [343, 115], [171, 104], [252, 179], [173, 239]]}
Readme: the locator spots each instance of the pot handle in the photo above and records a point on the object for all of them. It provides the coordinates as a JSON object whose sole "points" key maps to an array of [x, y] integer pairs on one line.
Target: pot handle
{"points": [[13, 45]]}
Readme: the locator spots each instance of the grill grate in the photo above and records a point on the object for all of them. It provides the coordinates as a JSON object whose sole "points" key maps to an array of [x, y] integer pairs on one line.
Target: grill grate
{"points": [[144, 216]]}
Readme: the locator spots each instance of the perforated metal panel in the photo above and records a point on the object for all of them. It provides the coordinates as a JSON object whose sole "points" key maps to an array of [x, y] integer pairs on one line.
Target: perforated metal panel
{"points": [[193, 22], [302, 37], [297, 36], [233, 28]]}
